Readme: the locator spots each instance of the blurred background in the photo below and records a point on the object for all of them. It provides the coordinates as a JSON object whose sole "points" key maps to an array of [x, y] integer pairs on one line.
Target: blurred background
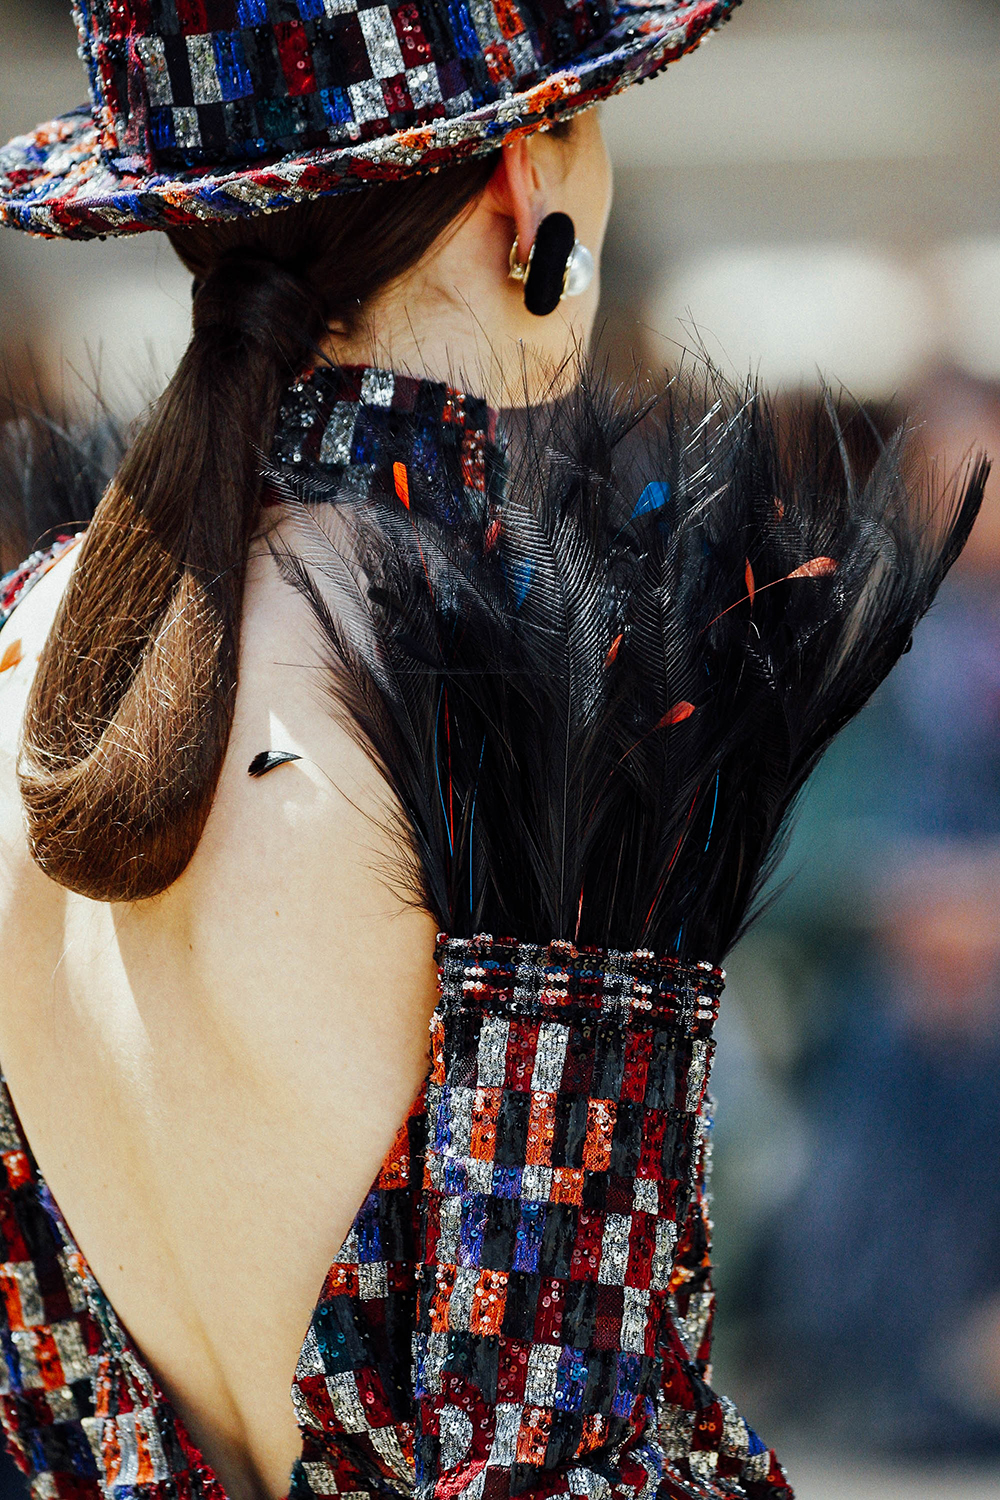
{"points": [[817, 189]]}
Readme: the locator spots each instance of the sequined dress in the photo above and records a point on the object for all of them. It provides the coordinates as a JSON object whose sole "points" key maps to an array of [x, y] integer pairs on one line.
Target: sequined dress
{"points": [[523, 1304]]}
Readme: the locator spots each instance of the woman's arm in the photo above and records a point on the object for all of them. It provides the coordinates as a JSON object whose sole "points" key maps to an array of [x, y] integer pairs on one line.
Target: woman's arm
{"points": [[564, 1228]]}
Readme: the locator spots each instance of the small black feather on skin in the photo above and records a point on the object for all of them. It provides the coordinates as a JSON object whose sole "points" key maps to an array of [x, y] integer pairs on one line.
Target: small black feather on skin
{"points": [[528, 697], [268, 760]]}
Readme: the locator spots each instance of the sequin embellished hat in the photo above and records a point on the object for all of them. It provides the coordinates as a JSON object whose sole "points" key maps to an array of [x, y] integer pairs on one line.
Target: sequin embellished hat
{"points": [[217, 109]]}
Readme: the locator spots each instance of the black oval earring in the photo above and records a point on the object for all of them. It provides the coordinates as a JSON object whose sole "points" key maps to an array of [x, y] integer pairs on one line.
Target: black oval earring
{"points": [[558, 265]]}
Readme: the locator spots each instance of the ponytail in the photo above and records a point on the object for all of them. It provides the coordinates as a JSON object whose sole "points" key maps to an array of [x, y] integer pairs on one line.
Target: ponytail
{"points": [[132, 705], [130, 711]]}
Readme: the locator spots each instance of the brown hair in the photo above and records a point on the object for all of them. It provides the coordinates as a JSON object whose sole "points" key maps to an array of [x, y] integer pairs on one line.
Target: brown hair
{"points": [[129, 716]]}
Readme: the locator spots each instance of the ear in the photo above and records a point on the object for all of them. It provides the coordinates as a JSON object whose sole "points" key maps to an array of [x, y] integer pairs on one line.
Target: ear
{"points": [[517, 192]]}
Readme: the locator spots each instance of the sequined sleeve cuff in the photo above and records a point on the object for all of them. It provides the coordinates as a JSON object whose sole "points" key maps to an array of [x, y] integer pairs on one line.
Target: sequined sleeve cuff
{"points": [[564, 1114]]}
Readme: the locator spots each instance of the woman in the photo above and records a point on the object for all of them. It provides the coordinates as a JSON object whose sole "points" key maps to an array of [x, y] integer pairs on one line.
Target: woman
{"points": [[480, 681]]}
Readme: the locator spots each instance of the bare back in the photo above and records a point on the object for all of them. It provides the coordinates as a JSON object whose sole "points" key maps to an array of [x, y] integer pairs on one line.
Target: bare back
{"points": [[210, 1079]]}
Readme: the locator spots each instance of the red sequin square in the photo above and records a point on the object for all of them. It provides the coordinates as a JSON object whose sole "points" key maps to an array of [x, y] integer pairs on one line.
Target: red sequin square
{"points": [[296, 58], [586, 1258], [522, 1041]]}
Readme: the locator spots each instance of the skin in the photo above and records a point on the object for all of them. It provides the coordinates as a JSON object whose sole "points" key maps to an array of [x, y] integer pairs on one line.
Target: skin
{"points": [[458, 316], [210, 1080]]}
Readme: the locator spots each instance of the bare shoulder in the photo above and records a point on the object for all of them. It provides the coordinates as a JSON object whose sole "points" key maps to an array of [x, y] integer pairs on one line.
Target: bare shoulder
{"points": [[299, 872]]}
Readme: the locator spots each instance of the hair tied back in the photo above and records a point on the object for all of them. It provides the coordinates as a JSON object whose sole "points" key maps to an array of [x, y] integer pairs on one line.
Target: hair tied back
{"points": [[248, 295], [130, 712]]}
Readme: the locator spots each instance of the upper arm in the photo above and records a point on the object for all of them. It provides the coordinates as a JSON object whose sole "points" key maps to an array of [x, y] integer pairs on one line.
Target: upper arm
{"points": [[291, 902]]}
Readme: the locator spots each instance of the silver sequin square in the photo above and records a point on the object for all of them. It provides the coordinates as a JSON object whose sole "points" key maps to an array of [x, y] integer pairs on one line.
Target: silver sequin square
{"points": [[543, 1373], [484, 19], [635, 1320], [62, 1405], [460, 1303], [73, 1354], [522, 54], [343, 1392], [204, 78], [458, 104], [646, 1197], [373, 1283], [423, 85], [735, 1437], [31, 1376], [536, 1184], [381, 40], [153, 56], [451, 1223], [663, 1255], [336, 445], [32, 1310], [480, 1175], [367, 100], [460, 1101], [187, 131], [696, 1075], [377, 386], [128, 1449], [614, 1250], [550, 1057], [492, 1052], [587, 1484], [508, 1423], [321, 1478]]}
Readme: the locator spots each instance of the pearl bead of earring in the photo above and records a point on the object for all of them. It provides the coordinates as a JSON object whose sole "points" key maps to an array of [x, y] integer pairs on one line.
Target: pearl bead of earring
{"points": [[579, 272]]}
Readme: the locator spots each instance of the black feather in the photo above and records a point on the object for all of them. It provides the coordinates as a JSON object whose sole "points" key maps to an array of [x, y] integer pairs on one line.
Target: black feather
{"points": [[592, 730], [268, 760], [53, 472]]}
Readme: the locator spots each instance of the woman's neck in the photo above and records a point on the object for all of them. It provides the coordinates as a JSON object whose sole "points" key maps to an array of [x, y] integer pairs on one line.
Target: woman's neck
{"points": [[456, 317]]}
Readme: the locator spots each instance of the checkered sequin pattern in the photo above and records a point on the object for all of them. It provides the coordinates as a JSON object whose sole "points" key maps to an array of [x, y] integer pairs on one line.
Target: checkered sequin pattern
{"points": [[538, 1245], [82, 1415], [427, 445], [524, 1298], [565, 1141], [218, 109], [184, 83]]}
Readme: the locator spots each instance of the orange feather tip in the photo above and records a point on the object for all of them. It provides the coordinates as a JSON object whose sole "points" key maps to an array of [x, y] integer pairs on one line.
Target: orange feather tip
{"points": [[677, 714], [11, 656], [751, 586], [402, 482], [493, 531], [816, 567], [612, 650]]}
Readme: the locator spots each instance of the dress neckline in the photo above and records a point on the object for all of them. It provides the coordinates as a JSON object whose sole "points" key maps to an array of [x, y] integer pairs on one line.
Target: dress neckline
{"points": [[119, 1343]]}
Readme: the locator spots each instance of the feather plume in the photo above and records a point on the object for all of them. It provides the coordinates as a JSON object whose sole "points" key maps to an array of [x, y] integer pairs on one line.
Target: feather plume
{"points": [[53, 472], [597, 701]]}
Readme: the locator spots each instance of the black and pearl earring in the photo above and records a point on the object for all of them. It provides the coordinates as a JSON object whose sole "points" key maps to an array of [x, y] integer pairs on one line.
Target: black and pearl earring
{"points": [[558, 265]]}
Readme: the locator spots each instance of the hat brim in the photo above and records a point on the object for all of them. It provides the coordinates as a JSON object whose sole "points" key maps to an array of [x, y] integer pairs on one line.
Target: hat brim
{"points": [[57, 182]]}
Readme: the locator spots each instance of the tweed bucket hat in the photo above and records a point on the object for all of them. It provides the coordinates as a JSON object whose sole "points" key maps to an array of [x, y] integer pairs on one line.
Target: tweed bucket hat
{"points": [[218, 109]]}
